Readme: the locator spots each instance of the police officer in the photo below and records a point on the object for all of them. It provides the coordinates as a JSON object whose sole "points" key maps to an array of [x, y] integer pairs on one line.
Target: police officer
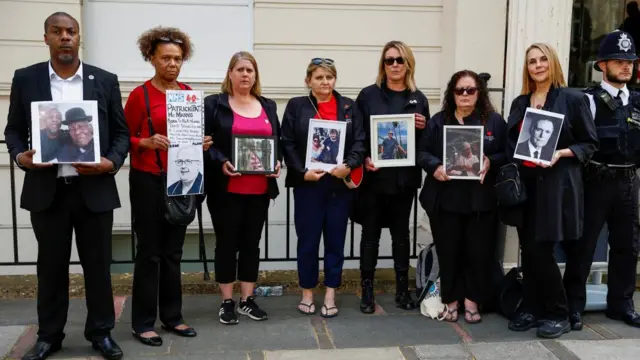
{"points": [[611, 186]]}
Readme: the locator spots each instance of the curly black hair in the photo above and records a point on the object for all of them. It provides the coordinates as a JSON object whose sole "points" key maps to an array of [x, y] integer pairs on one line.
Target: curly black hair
{"points": [[483, 105], [149, 40]]}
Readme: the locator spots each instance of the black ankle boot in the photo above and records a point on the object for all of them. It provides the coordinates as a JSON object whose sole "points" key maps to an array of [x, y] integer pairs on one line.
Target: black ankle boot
{"points": [[403, 296], [367, 302]]}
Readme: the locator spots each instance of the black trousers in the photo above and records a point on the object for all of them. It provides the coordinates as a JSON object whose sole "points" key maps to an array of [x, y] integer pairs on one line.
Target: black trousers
{"points": [[395, 210], [543, 291], [53, 229], [465, 244], [157, 282], [613, 200], [238, 221]]}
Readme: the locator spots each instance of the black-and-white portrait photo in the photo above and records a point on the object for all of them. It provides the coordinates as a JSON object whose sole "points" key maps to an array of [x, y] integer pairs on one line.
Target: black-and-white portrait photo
{"points": [[325, 144], [186, 169], [65, 132], [539, 136], [254, 154], [463, 149]]}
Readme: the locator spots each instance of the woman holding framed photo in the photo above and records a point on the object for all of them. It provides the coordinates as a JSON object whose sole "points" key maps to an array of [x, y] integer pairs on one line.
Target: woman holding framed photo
{"points": [[238, 202], [322, 201], [552, 211], [463, 211], [387, 194]]}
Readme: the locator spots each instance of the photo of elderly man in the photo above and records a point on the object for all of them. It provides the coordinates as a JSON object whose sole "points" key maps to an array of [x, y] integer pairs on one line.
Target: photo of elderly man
{"points": [[188, 167], [81, 146]]}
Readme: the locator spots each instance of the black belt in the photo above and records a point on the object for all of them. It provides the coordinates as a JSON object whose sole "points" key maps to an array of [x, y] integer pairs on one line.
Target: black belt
{"points": [[67, 180]]}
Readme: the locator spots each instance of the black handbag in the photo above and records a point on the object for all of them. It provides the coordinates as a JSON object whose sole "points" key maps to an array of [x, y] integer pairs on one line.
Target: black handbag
{"points": [[178, 210], [510, 190]]}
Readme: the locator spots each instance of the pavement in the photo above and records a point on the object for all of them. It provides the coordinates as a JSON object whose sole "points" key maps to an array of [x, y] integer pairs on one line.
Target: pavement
{"points": [[389, 334]]}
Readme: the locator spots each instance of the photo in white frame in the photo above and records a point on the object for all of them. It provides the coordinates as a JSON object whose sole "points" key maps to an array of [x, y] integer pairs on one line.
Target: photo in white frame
{"points": [[463, 151], [539, 136], [393, 140], [325, 144]]}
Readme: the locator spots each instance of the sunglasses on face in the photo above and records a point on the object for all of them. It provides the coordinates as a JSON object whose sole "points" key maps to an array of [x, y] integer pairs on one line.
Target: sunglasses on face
{"points": [[318, 61], [390, 60], [469, 91]]}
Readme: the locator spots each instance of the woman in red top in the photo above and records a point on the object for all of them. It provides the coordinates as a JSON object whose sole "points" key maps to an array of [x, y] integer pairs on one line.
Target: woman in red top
{"points": [[238, 204], [159, 246]]}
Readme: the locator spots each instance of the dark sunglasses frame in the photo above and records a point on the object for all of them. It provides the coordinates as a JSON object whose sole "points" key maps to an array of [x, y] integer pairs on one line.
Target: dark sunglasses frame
{"points": [[468, 90], [168, 39], [318, 61], [390, 60]]}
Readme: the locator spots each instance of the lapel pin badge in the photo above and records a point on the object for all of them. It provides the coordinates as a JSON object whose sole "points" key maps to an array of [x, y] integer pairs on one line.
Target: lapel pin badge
{"points": [[413, 101], [90, 77]]}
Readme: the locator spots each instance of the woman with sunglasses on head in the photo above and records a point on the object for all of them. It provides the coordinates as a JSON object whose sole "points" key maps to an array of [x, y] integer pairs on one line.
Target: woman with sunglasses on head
{"points": [[157, 275], [322, 201], [465, 211], [386, 195], [238, 203], [554, 206]]}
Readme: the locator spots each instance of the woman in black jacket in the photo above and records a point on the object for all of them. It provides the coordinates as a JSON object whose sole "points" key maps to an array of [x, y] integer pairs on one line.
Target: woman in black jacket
{"points": [[389, 191], [463, 213], [322, 201], [238, 204], [553, 211]]}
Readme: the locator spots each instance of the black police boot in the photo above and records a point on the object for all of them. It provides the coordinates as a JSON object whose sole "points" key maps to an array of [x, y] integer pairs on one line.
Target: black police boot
{"points": [[367, 302], [575, 319], [523, 322], [403, 296], [552, 329]]}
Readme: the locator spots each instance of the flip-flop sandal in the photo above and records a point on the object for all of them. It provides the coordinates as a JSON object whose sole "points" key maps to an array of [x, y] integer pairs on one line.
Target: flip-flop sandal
{"points": [[326, 313], [471, 315], [308, 306], [452, 311]]}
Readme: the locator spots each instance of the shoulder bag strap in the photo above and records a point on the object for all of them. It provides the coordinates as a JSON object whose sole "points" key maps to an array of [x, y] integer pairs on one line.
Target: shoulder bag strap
{"points": [[151, 129]]}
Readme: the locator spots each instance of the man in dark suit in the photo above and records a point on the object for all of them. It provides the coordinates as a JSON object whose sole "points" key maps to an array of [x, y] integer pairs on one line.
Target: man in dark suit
{"points": [[70, 197], [81, 148], [537, 146]]}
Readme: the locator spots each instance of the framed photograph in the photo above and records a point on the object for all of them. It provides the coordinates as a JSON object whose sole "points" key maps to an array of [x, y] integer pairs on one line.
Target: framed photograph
{"points": [[393, 140], [254, 154], [65, 132], [325, 144], [463, 151], [539, 136]]}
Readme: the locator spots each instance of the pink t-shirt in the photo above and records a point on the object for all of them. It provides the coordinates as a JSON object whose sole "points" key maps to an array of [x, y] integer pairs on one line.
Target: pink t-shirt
{"points": [[250, 184]]}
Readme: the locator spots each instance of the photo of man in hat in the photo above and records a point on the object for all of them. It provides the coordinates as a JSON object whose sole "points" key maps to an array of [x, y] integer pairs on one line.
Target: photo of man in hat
{"points": [[81, 148]]}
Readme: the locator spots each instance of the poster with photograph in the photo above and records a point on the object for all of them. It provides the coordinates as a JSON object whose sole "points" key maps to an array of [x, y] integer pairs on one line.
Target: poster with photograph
{"points": [[64, 132], [325, 144], [254, 154], [539, 136], [463, 151], [394, 141], [185, 130]]}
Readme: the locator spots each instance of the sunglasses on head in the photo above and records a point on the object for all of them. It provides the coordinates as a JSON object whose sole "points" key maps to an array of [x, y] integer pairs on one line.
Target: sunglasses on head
{"points": [[390, 60], [468, 90], [318, 61], [169, 40]]}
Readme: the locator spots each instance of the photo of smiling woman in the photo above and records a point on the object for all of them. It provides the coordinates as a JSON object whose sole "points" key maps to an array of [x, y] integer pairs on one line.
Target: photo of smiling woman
{"points": [[322, 201], [554, 206], [157, 275]]}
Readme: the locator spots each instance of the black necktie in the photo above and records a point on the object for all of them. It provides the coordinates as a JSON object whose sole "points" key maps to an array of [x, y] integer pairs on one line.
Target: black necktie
{"points": [[535, 154], [618, 98]]}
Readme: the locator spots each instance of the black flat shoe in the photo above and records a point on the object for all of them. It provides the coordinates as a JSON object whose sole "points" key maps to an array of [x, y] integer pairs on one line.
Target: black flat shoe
{"points": [[552, 329], [107, 348], [630, 317], [575, 319], [523, 322], [149, 341], [188, 332], [41, 350]]}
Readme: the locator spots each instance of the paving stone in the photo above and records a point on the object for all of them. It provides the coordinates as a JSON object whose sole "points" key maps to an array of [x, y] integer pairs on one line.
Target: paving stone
{"points": [[525, 350], [376, 331], [442, 352], [338, 354], [618, 328], [623, 349], [8, 337], [18, 312]]}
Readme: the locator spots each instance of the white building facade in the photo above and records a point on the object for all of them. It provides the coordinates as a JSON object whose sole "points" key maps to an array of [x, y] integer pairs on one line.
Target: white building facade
{"points": [[446, 36]]}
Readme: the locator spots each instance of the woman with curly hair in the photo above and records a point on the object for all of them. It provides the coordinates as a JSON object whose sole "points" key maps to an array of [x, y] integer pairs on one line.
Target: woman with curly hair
{"points": [[156, 279], [463, 213]]}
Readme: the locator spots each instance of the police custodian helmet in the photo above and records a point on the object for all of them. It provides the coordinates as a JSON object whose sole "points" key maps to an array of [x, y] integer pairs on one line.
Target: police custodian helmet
{"points": [[617, 45]]}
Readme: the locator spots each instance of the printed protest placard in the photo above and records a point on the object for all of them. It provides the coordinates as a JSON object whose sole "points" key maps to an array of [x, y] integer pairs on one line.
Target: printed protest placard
{"points": [[185, 129]]}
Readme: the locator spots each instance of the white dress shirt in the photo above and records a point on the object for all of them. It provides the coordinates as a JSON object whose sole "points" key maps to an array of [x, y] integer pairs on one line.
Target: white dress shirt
{"points": [[70, 89], [532, 150], [613, 91]]}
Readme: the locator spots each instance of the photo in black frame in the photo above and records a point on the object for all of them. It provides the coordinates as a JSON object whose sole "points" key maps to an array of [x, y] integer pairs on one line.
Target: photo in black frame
{"points": [[253, 154]]}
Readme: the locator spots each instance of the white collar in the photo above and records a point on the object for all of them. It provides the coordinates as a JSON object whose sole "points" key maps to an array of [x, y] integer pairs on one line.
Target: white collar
{"points": [[78, 73], [613, 91], [533, 149]]}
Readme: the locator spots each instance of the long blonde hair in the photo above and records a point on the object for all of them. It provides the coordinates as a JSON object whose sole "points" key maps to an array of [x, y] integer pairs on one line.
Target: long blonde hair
{"points": [[227, 87], [409, 61], [556, 76]]}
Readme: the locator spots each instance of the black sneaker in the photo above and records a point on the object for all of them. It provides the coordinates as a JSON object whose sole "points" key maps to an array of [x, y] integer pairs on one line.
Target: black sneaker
{"points": [[250, 308], [227, 312]]}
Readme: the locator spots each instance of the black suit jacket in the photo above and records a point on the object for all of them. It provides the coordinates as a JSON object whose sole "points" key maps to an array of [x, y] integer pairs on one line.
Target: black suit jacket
{"points": [[33, 84], [545, 154]]}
